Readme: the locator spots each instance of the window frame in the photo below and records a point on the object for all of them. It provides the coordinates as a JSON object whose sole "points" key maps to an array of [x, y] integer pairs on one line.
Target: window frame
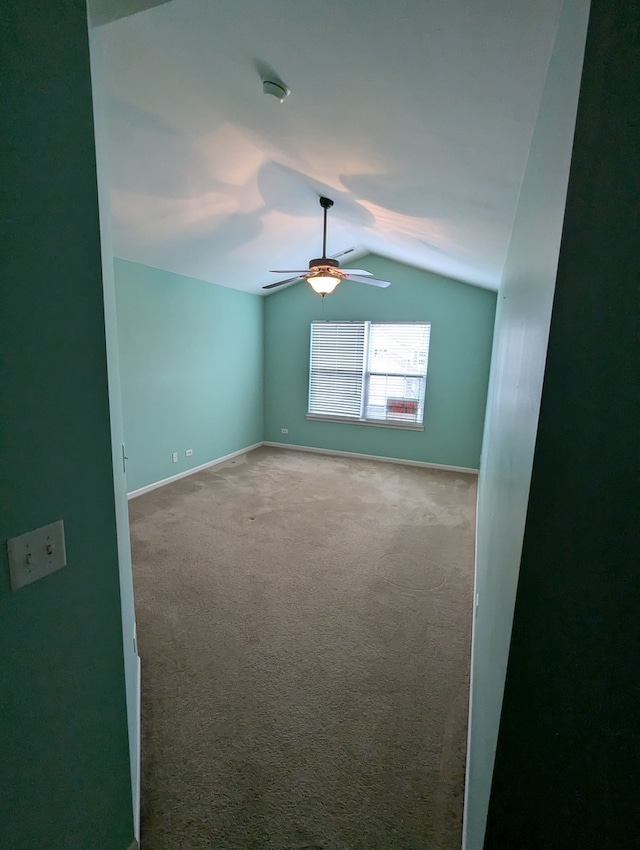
{"points": [[366, 374]]}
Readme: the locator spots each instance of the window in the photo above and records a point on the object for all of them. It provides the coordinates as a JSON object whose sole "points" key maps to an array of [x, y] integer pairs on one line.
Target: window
{"points": [[373, 372]]}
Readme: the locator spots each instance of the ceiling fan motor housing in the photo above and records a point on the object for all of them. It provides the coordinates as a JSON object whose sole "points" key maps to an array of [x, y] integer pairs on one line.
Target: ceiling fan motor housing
{"points": [[323, 262]]}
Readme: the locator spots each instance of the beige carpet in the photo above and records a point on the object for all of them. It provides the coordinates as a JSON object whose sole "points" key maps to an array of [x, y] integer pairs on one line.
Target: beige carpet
{"points": [[304, 626]]}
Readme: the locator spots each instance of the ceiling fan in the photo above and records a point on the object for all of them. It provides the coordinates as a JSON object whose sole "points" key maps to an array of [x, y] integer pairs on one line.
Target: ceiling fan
{"points": [[324, 273]]}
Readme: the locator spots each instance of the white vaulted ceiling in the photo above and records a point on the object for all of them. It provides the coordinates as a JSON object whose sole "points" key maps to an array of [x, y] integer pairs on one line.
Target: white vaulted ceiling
{"points": [[414, 116]]}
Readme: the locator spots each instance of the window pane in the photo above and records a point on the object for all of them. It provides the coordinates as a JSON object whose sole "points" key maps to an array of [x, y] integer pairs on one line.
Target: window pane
{"points": [[396, 373], [400, 348], [397, 399]]}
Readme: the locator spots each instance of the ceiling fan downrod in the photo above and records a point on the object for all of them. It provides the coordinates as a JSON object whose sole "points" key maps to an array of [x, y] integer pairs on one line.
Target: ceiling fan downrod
{"points": [[324, 261], [326, 204]]}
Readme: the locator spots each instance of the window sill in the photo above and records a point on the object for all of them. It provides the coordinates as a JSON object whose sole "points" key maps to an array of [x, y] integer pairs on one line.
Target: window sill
{"points": [[400, 426]]}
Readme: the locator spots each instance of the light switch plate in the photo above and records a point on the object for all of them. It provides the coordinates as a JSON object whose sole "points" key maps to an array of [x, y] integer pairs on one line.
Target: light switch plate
{"points": [[36, 554]]}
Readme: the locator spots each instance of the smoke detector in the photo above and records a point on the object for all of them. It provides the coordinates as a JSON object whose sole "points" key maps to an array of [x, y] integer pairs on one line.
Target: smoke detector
{"points": [[276, 89]]}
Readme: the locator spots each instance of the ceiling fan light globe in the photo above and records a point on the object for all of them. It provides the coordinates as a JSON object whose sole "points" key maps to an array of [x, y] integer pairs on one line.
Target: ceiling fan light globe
{"points": [[323, 284]]}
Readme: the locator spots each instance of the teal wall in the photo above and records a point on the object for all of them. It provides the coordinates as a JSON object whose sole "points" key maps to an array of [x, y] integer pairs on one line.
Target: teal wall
{"points": [[521, 334], [461, 319], [191, 363], [64, 761], [566, 770]]}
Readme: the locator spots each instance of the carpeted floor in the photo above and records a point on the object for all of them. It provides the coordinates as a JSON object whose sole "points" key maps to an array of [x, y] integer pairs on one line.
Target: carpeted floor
{"points": [[304, 625]]}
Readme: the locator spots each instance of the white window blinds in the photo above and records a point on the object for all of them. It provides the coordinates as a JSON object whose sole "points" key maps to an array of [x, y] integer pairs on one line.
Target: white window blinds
{"points": [[336, 375], [369, 371]]}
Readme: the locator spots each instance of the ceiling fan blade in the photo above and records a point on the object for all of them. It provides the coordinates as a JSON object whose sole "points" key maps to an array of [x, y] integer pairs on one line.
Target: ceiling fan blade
{"points": [[282, 282], [362, 272], [372, 281]]}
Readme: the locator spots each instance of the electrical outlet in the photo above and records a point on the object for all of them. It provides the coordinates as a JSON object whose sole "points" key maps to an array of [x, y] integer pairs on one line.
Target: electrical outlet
{"points": [[284, 430], [174, 457], [188, 453]]}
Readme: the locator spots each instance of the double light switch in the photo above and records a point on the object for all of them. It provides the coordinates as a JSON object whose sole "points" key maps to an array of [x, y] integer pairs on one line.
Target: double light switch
{"points": [[36, 554]]}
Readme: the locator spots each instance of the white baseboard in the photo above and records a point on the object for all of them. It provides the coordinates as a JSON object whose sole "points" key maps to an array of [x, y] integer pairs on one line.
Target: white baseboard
{"points": [[149, 487], [402, 461]]}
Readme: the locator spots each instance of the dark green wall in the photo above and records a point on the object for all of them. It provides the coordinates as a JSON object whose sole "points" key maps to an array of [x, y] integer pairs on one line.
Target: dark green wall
{"points": [[64, 763], [566, 772]]}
